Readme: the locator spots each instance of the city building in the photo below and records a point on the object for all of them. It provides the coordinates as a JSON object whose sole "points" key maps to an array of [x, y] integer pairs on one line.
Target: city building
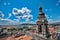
{"points": [[42, 22]]}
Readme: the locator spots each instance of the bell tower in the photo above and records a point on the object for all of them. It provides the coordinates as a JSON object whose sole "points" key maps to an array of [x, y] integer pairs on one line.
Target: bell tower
{"points": [[42, 22]]}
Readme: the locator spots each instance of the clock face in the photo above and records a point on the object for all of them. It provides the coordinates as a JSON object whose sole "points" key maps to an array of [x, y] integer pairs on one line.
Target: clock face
{"points": [[42, 20]]}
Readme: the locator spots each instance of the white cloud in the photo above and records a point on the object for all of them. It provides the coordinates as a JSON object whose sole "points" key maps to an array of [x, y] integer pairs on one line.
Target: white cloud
{"points": [[12, 21], [50, 20], [9, 15], [19, 13], [57, 20], [58, 17], [24, 13], [1, 14], [24, 9], [53, 21], [16, 11], [27, 17], [16, 20], [9, 22], [46, 16], [31, 22]]}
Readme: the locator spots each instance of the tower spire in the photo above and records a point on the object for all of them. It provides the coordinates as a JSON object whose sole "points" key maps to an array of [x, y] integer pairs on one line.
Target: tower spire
{"points": [[40, 9]]}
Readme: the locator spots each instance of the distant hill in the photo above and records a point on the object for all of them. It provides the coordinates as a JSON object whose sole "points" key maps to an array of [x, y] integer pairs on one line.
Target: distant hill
{"points": [[7, 22], [56, 23]]}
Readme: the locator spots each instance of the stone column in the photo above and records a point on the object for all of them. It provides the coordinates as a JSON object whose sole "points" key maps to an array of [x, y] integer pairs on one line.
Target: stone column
{"points": [[39, 29]]}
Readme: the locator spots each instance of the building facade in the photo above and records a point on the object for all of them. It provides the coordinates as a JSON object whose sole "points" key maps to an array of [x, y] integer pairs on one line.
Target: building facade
{"points": [[42, 22]]}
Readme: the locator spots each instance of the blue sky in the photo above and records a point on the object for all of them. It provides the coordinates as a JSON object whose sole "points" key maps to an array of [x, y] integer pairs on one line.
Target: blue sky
{"points": [[50, 7]]}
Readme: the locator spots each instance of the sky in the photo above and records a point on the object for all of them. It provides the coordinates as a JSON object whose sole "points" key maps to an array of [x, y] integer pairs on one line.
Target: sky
{"points": [[28, 10]]}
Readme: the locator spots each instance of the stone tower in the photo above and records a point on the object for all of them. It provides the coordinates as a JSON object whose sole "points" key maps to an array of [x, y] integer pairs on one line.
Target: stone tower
{"points": [[42, 22]]}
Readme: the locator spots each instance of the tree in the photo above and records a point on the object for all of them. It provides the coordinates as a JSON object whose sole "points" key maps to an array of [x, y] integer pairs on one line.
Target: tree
{"points": [[20, 28], [11, 29]]}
